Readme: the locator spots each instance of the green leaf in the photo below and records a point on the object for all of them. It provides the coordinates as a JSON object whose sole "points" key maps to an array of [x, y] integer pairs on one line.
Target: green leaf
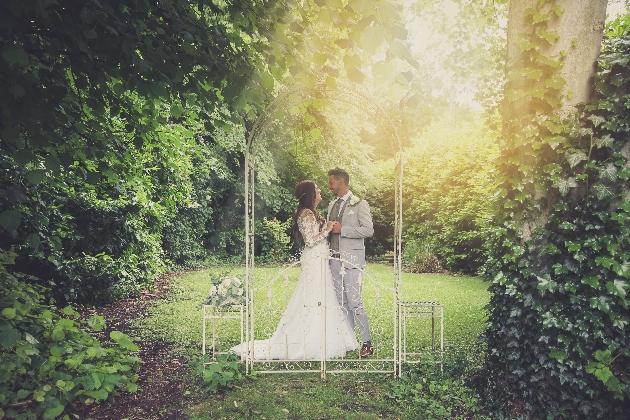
{"points": [[57, 351], [70, 312], [23, 393], [602, 303], [10, 220], [36, 176], [53, 412], [23, 156], [89, 34], [608, 171], [617, 287], [8, 313], [98, 395], [605, 141], [565, 185], [398, 49], [97, 322], [575, 158], [267, 80], [123, 340], [603, 191], [559, 354], [9, 337], [395, 92], [383, 71], [355, 75], [622, 269], [316, 133], [14, 54], [159, 90], [351, 60], [58, 334], [372, 37], [557, 9], [592, 281], [177, 110]]}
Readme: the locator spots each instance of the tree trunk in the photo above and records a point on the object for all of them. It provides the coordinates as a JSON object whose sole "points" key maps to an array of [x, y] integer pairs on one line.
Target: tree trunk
{"points": [[580, 28]]}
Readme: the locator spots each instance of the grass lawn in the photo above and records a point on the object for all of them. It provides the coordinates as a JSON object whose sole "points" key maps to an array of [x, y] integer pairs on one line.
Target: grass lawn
{"points": [[177, 320]]}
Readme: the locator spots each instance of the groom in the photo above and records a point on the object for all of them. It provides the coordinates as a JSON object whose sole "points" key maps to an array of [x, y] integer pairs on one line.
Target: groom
{"points": [[352, 223]]}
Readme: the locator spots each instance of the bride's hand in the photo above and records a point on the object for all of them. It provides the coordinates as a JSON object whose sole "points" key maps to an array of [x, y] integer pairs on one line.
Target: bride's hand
{"points": [[329, 226]]}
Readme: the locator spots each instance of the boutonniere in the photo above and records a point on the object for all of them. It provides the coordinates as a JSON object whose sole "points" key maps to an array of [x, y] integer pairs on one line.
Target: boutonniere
{"points": [[354, 200]]}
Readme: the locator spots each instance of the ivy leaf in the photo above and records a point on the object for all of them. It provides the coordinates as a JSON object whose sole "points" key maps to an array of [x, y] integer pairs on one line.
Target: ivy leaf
{"points": [[617, 288], [575, 158], [622, 269], [564, 185], [597, 120], [609, 171], [603, 191], [592, 281], [602, 303], [559, 354], [605, 141], [557, 9]]}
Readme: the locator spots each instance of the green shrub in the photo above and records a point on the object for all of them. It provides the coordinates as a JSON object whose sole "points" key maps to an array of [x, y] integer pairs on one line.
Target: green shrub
{"points": [[221, 374], [559, 328], [48, 360], [274, 241], [429, 393], [419, 257]]}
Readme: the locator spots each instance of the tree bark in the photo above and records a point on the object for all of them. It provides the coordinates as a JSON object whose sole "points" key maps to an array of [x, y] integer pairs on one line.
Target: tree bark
{"points": [[580, 29]]}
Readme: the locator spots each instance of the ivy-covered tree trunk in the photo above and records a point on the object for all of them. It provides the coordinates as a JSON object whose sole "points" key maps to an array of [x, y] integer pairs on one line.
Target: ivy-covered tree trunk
{"points": [[558, 326]]}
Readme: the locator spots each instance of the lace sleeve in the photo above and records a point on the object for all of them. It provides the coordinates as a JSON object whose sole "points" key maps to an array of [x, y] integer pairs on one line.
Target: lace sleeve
{"points": [[309, 228]]}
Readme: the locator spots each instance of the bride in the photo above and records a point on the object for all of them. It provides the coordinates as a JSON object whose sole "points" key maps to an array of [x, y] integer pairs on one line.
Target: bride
{"points": [[313, 321]]}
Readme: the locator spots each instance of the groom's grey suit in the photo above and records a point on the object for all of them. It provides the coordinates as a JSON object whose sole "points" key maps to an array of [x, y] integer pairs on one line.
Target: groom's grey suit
{"points": [[356, 224]]}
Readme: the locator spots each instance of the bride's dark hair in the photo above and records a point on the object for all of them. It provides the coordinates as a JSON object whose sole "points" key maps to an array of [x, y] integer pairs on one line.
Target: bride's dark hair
{"points": [[306, 193]]}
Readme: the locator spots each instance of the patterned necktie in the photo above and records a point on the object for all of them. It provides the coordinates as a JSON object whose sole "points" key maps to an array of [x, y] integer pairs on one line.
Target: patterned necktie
{"points": [[334, 215]]}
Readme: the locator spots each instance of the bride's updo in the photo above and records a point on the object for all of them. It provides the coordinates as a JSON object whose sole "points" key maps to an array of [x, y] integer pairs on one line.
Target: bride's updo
{"points": [[305, 192]]}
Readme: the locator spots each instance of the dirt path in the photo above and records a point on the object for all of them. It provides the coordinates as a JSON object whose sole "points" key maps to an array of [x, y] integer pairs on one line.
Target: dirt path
{"points": [[161, 376]]}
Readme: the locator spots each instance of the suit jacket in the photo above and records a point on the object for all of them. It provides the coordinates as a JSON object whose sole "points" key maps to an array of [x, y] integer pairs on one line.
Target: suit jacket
{"points": [[356, 224]]}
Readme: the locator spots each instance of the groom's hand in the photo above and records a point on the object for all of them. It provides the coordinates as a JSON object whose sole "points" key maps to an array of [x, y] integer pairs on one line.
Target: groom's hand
{"points": [[336, 227]]}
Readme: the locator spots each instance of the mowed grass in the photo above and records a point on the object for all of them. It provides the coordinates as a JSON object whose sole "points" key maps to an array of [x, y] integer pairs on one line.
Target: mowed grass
{"points": [[177, 319]]}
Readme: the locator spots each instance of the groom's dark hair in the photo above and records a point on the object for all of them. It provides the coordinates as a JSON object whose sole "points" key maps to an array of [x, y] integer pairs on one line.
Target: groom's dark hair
{"points": [[339, 173]]}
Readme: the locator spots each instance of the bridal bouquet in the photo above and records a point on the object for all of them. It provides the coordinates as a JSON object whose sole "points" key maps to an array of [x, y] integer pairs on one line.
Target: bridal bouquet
{"points": [[226, 291]]}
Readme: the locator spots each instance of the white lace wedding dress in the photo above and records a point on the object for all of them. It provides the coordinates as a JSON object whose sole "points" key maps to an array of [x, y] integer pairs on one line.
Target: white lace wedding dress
{"points": [[313, 321]]}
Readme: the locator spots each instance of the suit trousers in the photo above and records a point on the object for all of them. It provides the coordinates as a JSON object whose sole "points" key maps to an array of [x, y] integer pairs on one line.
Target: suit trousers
{"points": [[349, 294]]}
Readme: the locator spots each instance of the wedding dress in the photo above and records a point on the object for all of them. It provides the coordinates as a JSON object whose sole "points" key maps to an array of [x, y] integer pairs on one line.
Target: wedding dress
{"points": [[313, 320]]}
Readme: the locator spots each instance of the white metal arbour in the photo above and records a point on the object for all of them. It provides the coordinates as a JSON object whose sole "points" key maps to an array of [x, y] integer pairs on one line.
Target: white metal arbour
{"points": [[278, 109]]}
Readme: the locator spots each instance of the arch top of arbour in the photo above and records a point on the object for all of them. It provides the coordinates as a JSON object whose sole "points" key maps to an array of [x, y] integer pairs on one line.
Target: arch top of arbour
{"points": [[341, 93]]}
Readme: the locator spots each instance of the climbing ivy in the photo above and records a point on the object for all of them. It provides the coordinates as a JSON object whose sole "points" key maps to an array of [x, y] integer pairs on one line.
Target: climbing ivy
{"points": [[559, 322]]}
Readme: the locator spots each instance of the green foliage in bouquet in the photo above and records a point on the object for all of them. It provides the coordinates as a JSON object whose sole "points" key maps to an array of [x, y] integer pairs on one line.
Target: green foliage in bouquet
{"points": [[225, 291]]}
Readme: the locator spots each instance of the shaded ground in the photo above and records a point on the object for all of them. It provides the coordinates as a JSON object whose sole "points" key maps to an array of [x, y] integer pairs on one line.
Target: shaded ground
{"points": [[161, 376]]}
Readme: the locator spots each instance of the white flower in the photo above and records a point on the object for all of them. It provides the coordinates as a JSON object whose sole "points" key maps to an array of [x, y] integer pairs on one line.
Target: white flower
{"points": [[354, 200]]}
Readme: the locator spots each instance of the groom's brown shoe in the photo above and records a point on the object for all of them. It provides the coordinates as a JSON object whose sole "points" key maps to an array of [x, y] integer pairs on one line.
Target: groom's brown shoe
{"points": [[366, 350]]}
